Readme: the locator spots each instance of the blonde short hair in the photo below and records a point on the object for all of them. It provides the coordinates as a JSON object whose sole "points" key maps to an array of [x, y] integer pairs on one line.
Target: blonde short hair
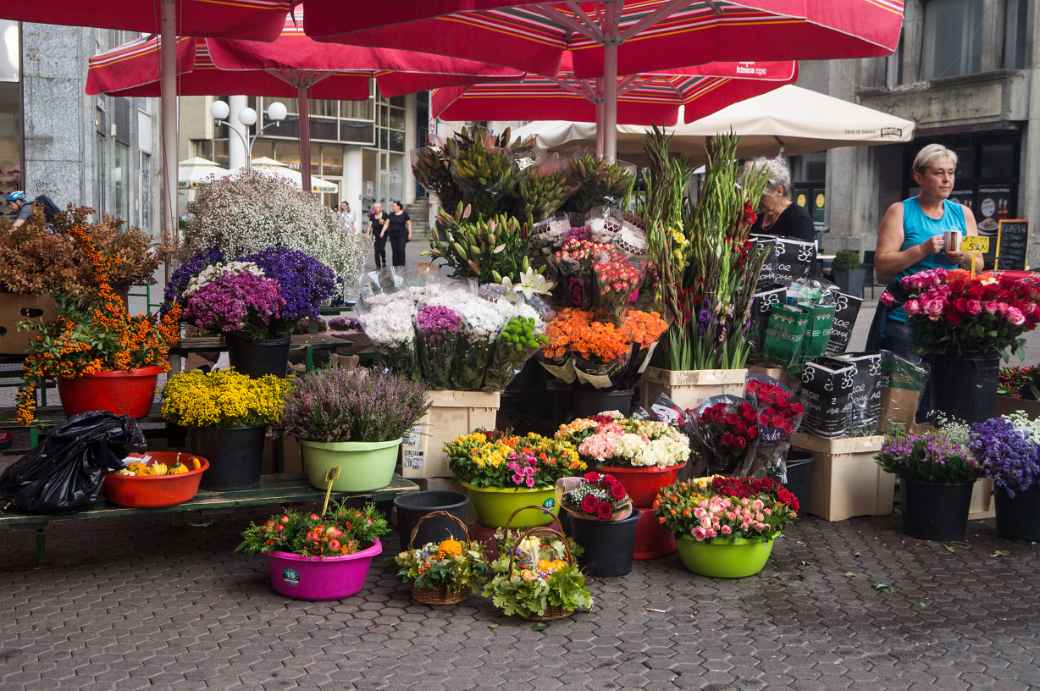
{"points": [[929, 154]]}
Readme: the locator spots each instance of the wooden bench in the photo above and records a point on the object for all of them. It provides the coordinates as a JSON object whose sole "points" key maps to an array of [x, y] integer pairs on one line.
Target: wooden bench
{"points": [[273, 490]]}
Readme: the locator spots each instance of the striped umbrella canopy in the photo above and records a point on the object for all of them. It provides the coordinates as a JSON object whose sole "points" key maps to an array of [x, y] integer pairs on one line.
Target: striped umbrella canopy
{"points": [[611, 38], [643, 99], [292, 66]]}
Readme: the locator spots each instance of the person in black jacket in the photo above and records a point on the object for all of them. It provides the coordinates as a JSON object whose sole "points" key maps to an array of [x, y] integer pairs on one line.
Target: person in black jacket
{"points": [[778, 215], [399, 225], [378, 222]]}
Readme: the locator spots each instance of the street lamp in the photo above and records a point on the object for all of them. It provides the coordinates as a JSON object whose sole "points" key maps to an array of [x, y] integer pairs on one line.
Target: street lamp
{"points": [[276, 112]]}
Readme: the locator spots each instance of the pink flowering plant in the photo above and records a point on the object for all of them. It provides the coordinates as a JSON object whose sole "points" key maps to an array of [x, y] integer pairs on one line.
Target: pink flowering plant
{"points": [[724, 508], [953, 313], [436, 340], [934, 456], [233, 298], [340, 531]]}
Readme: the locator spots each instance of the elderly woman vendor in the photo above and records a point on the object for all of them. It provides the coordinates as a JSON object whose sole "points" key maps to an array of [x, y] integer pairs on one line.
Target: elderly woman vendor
{"points": [[911, 239]]}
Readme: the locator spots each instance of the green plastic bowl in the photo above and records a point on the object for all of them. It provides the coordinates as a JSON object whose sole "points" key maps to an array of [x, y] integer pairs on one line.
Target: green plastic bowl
{"points": [[363, 465], [494, 505], [734, 558]]}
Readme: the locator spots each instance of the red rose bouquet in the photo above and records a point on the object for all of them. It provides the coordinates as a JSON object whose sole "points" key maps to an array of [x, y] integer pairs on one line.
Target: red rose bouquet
{"points": [[724, 432], [779, 415], [953, 313], [595, 496]]}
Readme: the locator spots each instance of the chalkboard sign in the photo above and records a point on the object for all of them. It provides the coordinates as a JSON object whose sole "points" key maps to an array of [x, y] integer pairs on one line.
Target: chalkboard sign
{"points": [[1012, 243]]}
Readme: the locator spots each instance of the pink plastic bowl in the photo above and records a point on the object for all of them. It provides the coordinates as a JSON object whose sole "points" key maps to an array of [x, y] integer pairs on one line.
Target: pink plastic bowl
{"points": [[320, 578]]}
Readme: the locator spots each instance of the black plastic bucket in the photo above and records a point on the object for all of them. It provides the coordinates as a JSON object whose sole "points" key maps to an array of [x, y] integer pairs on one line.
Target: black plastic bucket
{"points": [[608, 545], [965, 387], [936, 510], [235, 455], [257, 358], [1018, 517], [589, 402], [799, 475], [414, 505]]}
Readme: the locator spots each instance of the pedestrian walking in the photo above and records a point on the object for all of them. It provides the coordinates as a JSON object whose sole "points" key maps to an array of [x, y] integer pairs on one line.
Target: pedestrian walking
{"points": [[346, 217], [400, 226], [378, 222]]}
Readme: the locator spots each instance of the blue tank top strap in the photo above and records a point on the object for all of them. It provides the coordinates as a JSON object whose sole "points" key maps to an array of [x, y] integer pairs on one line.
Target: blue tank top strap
{"points": [[918, 227]]}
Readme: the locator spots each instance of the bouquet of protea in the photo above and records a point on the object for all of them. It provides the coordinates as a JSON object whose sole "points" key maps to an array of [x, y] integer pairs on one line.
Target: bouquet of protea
{"points": [[597, 496], [724, 430], [436, 335], [779, 415]]}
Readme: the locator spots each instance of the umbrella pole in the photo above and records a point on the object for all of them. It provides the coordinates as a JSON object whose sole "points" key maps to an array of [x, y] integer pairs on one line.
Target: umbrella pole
{"points": [[303, 109], [610, 85], [168, 115], [599, 128]]}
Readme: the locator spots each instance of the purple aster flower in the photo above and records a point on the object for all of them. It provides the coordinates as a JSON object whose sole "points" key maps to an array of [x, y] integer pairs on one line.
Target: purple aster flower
{"points": [[239, 302], [188, 270], [1006, 455], [434, 319], [304, 281]]}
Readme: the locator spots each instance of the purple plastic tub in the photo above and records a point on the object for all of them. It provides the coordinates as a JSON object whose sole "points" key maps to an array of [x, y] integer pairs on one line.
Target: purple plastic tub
{"points": [[320, 578]]}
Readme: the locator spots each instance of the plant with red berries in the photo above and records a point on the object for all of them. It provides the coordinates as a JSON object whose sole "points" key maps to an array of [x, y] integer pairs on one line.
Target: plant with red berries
{"points": [[725, 433], [597, 496]]}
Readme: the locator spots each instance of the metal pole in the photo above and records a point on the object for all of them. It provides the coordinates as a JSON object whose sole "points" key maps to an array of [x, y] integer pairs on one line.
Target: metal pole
{"points": [[305, 136], [599, 128], [168, 115], [238, 147], [610, 84]]}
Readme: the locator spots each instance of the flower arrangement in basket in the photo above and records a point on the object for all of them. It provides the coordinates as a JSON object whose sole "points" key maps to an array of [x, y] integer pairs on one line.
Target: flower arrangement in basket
{"points": [[612, 439], [954, 313], [494, 459], [721, 507], [338, 532], [536, 576], [599, 353], [94, 333], [442, 573], [594, 496], [223, 398]]}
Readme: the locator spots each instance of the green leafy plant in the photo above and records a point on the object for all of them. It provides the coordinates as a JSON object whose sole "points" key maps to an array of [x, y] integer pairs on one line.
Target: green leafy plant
{"points": [[340, 531], [846, 260], [487, 249], [536, 572], [450, 565], [595, 181]]}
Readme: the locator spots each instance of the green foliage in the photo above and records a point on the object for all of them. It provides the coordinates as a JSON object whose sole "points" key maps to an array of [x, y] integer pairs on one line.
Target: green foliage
{"points": [[534, 574], [486, 249], [846, 260], [594, 181]]}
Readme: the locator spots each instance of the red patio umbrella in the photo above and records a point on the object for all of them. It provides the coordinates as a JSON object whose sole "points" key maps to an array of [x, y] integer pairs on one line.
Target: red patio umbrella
{"points": [[608, 38], [292, 65], [252, 19]]}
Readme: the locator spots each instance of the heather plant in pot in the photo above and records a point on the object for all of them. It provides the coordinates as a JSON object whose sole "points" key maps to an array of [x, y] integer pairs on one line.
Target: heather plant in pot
{"points": [[312, 556], [353, 421]]}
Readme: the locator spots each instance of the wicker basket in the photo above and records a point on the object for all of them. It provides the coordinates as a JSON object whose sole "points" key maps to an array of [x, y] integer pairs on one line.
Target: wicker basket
{"points": [[440, 597], [551, 612]]}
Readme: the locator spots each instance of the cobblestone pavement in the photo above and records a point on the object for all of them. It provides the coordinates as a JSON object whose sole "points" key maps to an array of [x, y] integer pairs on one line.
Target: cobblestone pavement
{"points": [[160, 603]]}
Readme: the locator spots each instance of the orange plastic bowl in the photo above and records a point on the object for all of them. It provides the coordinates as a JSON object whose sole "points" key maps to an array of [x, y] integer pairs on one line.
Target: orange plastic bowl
{"points": [[154, 492]]}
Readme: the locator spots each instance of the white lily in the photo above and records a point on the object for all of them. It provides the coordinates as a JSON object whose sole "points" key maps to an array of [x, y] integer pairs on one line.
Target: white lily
{"points": [[532, 283]]}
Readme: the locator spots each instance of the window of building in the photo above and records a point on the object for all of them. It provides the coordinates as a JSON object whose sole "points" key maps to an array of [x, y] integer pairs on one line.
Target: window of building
{"points": [[11, 132], [952, 38], [1017, 34]]}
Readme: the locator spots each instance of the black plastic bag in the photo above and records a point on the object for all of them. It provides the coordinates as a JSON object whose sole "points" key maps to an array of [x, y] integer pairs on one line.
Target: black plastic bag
{"points": [[66, 472]]}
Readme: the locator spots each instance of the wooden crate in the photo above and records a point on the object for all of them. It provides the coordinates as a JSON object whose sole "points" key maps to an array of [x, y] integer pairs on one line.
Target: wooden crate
{"points": [[982, 506], [16, 308], [689, 387], [451, 414], [846, 481]]}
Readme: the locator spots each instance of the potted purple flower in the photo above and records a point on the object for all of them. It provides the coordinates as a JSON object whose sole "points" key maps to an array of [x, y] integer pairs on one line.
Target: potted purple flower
{"points": [[1008, 449], [437, 334]]}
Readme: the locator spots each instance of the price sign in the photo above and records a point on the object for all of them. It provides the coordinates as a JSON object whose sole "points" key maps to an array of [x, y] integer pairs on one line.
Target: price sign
{"points": [[975, 244]]}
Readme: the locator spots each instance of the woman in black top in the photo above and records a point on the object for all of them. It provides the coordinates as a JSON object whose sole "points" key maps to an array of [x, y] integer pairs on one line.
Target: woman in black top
{"points": [[778, 215], [400, 232], [379, 223]]}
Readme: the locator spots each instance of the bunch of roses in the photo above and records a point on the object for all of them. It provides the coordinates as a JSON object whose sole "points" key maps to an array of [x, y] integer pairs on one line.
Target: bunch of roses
{"points": [[598, 495], [575, 331], [233, 298], [955, 313], [492, 459], [725, 507], [577, 254], [612, 439], [617, 277], [778, 409], [734, 426]]}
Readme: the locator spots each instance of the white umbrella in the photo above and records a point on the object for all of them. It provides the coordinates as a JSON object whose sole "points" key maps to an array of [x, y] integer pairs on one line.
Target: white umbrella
{"points": [[791, 120], [269, 166], [198, 171]]}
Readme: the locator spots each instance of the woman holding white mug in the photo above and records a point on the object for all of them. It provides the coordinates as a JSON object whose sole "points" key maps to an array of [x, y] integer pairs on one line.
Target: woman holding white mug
{"points": [[919, 233]]}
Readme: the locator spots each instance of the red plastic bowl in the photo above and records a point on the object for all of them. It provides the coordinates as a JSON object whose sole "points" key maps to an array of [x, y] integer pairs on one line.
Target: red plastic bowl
{"points": [[152, 492], [122, 393], [642, 484]]}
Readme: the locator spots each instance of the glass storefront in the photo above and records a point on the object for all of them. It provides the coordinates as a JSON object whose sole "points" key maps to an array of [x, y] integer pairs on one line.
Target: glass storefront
{"points": [[11, 130]]}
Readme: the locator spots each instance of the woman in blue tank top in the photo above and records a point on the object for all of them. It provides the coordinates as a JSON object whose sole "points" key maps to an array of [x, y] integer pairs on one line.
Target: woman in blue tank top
{"points": [[910, 239]]}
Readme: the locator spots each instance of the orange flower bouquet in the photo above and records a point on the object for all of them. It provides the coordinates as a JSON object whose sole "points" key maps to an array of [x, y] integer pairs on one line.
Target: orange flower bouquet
{"points": [[95, 337], [600, 353]]}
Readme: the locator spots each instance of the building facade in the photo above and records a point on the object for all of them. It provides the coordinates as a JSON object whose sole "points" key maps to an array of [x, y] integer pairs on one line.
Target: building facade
{"points": [[361, 146], [968, 73], [55, 140]]}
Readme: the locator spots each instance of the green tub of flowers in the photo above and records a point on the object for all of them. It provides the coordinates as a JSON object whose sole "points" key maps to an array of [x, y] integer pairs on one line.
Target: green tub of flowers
{"points": [[504, 473], [352, 421]]}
